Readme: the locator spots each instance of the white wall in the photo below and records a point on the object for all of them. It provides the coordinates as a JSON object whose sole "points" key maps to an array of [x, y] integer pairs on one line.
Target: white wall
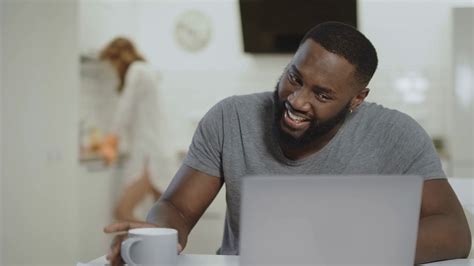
{"points": [[101, 20], [39, 136], [413, 37], [1, 141]]}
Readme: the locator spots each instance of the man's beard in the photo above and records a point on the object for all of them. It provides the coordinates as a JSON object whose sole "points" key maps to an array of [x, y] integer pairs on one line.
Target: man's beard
{"points": [[316, 128]]}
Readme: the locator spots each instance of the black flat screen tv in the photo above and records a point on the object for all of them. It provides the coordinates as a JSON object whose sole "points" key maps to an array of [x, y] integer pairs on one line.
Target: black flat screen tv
{"points": [[277, 26]]}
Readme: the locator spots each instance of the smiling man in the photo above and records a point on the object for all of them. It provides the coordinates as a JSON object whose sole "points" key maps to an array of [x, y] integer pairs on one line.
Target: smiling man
{"points": [[316, 122]]}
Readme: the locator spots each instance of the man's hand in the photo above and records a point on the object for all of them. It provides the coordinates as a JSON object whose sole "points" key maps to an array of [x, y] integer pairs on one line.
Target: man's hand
{"points": [[122, 228]]}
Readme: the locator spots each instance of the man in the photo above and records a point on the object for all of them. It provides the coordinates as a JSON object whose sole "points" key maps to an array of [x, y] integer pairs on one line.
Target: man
{"points": [[316, 122]]}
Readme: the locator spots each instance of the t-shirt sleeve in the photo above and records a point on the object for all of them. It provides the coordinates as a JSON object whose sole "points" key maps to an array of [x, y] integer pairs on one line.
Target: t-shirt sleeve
{"points": [[205, 151], [423, 160]]}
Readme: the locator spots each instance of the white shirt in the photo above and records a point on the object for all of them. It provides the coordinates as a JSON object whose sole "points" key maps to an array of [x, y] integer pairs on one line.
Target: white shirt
{"points": [[136, 121]]}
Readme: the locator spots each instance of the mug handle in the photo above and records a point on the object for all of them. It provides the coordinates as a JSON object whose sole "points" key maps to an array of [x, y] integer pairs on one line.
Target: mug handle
{"points": [[125, 249]]}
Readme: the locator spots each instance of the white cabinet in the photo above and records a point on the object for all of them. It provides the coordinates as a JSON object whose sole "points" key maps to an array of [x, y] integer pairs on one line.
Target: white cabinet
{"points": [[97, 188]]}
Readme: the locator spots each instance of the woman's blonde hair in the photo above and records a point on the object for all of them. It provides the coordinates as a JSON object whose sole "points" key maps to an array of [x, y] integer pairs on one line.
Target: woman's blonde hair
{"points": [[121, 53]]}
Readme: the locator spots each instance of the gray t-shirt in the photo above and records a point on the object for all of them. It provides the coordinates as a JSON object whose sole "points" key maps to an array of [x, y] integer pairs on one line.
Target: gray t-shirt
{"points": [[235, 139]]}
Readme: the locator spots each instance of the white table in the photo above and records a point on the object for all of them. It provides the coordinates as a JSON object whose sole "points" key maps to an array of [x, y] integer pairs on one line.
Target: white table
{"points": [[204, 260], [186, 260]]}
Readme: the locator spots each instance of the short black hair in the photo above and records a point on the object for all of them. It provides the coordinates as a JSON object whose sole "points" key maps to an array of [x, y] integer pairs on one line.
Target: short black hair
{"points": [[348, 42]]}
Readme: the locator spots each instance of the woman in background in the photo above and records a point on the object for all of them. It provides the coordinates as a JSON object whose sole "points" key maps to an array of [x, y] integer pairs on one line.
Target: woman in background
{"points": [[135, 126]]}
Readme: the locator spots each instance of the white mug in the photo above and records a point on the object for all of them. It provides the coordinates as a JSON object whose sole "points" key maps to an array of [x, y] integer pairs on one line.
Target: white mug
{"points": [[151, 246]]}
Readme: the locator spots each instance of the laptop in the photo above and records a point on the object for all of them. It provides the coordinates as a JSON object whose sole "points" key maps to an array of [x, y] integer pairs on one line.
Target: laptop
{"points": [[329, 220]]}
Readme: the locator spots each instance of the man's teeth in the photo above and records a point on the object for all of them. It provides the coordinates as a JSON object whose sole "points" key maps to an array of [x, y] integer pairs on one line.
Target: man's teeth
{"points": [[294, 117]]}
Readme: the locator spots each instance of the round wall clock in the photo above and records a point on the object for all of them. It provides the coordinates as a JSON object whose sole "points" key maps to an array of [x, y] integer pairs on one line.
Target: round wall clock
{"points": [[193, 30]]}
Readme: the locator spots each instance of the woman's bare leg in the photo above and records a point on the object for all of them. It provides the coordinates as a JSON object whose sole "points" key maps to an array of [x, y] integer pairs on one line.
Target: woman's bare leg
{"points": [[133, 195]]}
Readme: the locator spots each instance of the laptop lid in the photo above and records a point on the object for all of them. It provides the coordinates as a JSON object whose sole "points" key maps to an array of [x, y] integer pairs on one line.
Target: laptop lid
{"points": [[329, 220]]}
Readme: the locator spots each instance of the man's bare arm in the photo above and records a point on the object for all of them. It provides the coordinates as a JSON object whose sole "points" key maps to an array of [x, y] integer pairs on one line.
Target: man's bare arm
{"points": [[180, 207], [443, 231], [185, 201]]}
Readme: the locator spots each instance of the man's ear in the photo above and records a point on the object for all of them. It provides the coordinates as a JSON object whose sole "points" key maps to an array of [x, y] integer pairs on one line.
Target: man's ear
{"points": [[359, 98]]}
